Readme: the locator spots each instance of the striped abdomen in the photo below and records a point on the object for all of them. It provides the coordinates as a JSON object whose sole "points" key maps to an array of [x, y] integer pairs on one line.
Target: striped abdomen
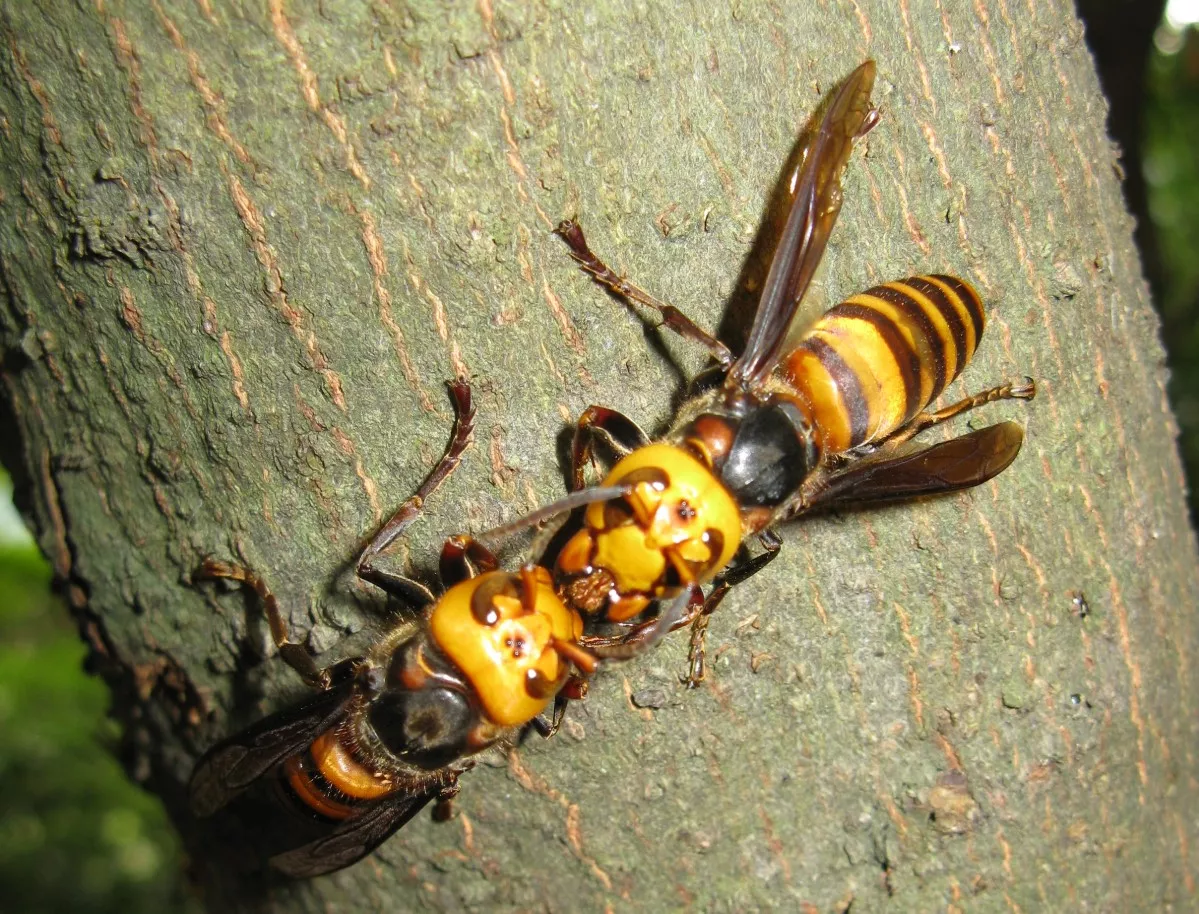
{"points": [[327, 778], [871, 363]]}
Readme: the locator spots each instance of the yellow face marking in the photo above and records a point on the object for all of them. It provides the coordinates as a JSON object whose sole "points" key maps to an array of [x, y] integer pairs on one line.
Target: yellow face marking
{"points": [[632, 560], [502, 648], [575, 556], [676, 505]]}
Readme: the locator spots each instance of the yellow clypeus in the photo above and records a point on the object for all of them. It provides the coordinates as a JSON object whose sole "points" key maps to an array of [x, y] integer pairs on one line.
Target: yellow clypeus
{"points": [[505, 645]]}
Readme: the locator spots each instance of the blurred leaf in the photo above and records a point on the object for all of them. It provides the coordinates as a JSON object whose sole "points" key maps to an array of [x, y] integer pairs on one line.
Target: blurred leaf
{"points": [[1172, 175], [75, 834]]}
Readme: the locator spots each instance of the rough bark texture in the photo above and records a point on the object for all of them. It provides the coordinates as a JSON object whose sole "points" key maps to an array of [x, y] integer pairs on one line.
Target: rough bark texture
{"points": [[244, 243]]}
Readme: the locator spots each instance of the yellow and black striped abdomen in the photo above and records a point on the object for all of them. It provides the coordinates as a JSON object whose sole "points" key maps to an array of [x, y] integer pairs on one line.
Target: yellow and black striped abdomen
{"points": [[871, 363]]}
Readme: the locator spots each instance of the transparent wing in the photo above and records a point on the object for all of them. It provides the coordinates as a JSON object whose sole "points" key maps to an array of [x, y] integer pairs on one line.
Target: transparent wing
{"points": [[949, 466], [354, 838], [231, 766], [817, 189]]}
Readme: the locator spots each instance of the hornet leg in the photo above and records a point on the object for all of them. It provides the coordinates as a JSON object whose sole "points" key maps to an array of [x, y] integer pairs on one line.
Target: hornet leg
{"points": [[615, 429], [463, 557], [443, 809], [672, 317], [409, 511], [697, 653], [293, 654], [1025, 389], [575, 690]]}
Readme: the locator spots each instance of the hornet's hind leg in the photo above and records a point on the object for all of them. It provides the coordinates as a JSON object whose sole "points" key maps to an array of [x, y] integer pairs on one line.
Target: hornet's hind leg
{"points": [[1024, 389], [672, 317]]}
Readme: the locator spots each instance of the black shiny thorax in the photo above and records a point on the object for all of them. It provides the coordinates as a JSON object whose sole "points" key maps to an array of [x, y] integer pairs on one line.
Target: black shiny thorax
{"points": [[761, 448], [426, 715]]}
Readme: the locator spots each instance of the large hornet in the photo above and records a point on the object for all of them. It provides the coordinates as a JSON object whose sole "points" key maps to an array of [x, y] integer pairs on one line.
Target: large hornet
{"points": [[779, 431], [316, 787]]}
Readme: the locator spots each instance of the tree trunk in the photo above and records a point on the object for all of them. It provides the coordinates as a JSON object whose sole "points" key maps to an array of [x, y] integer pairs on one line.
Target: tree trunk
{"points": [[245, 243]]}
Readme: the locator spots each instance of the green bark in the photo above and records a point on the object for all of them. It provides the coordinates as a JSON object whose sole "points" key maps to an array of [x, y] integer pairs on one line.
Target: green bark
{"points": [[244, 244]]}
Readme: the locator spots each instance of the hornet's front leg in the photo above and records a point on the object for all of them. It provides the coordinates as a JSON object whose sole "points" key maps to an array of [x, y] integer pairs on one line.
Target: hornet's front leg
{"points": [[697, 653], [618, 432]]}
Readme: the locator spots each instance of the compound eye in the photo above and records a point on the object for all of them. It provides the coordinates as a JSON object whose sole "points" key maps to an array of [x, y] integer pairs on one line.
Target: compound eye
{"points": [[540, 686], [487, 598], [617, 513], [714, 540], [654, 477], [646, 485]]}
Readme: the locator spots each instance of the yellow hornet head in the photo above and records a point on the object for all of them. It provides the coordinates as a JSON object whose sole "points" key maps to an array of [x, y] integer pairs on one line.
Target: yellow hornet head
{"points": [[502, 631], [677, 525]]}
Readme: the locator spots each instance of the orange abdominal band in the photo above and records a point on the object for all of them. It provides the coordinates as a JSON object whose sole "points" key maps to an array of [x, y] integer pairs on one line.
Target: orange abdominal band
{"points": [[342, 772], [310, 793]]}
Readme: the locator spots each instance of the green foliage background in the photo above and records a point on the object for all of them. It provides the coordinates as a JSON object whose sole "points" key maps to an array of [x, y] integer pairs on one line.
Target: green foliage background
{"points": [[1172, 173], [76, 835]]}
